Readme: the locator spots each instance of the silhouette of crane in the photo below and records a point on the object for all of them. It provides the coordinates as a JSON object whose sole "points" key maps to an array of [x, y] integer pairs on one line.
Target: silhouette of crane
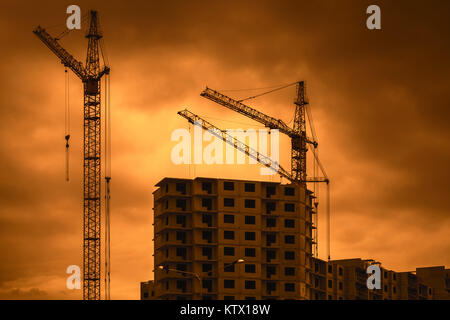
{"points": [[299, 140], [90, 74]]}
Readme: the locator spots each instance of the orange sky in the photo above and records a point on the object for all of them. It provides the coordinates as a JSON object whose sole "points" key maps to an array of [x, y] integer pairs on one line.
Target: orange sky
{"points": [[379, 99]]}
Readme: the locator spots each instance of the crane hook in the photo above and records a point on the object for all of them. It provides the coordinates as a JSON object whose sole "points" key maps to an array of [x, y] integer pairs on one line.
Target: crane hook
{"points": [[67, 137]]}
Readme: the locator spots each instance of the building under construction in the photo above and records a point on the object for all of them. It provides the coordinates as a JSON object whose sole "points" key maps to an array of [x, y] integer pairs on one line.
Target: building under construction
{"points": [[232, 239], [236, 239]]}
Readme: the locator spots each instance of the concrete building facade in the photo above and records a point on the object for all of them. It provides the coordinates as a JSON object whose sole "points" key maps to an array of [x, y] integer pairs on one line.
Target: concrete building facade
{"points": [[237, 239], [347, 280], [231, 239]]}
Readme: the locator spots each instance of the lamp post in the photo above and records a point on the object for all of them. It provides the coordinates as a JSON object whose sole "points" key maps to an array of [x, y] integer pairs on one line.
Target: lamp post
{"points": [[237, 261], [161, 267], [240, 260]]}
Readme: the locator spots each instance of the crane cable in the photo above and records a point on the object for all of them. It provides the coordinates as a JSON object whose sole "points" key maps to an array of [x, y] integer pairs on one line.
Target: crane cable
{"points": [[316, 206], [107, 187], [328, 223], [316, 186], [64, 33], [67, 121], [107, 171], [270, 91]]}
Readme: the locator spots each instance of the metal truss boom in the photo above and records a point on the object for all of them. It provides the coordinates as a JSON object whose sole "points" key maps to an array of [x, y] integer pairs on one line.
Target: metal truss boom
{"points": [[241, 146]]}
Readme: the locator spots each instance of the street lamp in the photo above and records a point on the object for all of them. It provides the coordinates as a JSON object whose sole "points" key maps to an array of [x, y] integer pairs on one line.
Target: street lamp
{"points": [[240, 260], [161, 267], [237, 261]]}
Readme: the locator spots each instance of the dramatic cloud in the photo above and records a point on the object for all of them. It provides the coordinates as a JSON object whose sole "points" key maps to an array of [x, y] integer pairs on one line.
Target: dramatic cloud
{"points": [[380, 101]]}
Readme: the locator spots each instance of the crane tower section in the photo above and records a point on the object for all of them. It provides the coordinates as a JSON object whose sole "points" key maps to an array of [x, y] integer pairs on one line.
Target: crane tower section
{"points": [[91, 166], [298, 141]]}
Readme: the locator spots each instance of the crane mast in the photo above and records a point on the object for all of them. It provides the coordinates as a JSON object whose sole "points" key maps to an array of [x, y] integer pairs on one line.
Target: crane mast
{"points": [[90, 74], [298, 141], [92, 167]]}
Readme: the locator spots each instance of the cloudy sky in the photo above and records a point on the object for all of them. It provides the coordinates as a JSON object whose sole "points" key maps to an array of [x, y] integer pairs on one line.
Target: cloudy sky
{"points": [[380, 101]]}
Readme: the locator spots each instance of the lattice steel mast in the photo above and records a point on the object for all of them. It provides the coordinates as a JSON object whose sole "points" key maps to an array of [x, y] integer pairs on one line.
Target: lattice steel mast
{"points": [[298, 141], [91, 167]]}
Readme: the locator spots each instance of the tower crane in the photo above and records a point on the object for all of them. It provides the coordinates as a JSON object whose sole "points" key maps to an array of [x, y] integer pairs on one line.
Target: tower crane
{"points": [[300, 142], [297, 133], [90, 74]]}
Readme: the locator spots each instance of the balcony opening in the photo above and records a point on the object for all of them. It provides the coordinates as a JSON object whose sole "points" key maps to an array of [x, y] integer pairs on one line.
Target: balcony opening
{"points": [[207, 203], [270, 191], [270, 206], [207, 236], [271, 271], [181, 203], [271, 238], [289, 191], [181, 187], [206, 218], [207, 186]]}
